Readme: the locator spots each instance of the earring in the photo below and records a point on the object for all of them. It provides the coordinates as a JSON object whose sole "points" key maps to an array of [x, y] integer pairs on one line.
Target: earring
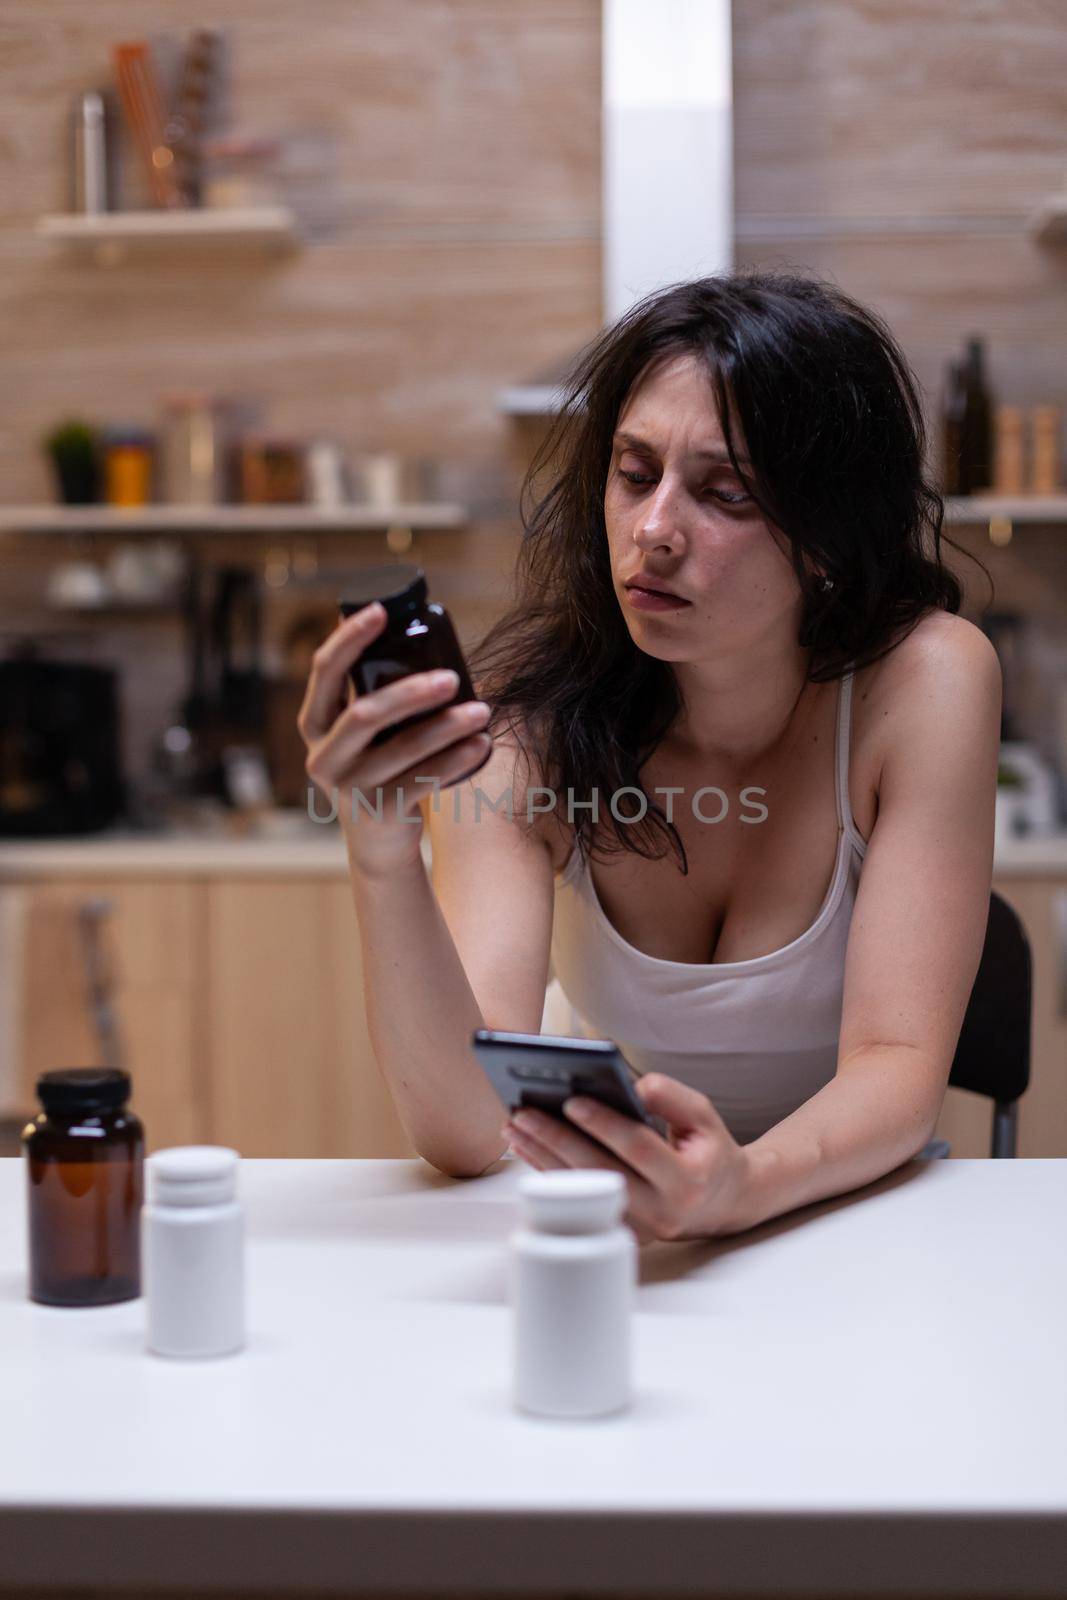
{"points": [[827, 584]]}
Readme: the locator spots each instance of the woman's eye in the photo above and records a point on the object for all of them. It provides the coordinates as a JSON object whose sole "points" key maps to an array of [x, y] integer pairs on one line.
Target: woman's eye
{"points": [[640, 479]]}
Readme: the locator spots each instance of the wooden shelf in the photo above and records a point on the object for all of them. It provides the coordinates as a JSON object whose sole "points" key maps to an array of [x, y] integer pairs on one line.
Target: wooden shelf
{"points": [[530, 400], [118, 610], [227, 519], [976, 509], [109, 236]]}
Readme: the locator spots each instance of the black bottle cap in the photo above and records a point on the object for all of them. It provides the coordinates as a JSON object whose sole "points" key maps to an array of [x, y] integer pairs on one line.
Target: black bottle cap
{"points": [[401, 588], [83, 1089]]}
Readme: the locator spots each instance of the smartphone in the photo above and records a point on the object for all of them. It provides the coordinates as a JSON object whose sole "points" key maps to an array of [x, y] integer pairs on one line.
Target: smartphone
{"points": [[541, 1070]]}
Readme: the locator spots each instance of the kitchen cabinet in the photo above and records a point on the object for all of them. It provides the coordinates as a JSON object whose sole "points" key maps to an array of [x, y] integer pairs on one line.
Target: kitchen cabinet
{"points": [[966, 1118], [293, 1070], [150, 938], [239, 1004]]}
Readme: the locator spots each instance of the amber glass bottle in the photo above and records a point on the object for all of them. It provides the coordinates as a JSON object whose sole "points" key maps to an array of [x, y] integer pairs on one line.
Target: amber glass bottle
{"points": [[418, 637], [977, 464], [84, 1163], [953, 415]]}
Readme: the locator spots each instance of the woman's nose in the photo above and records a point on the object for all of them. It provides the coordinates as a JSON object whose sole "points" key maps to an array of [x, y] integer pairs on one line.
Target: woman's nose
{"points": [[658, 523]]}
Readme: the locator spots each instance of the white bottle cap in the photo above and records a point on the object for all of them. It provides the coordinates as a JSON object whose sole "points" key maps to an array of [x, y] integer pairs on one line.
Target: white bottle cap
{"points": [[578, 1200], [193, 1175]]}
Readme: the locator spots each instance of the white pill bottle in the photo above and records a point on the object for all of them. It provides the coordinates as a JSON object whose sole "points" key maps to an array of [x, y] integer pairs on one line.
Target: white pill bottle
{"points": [[573, 1287], [192, 1252]]}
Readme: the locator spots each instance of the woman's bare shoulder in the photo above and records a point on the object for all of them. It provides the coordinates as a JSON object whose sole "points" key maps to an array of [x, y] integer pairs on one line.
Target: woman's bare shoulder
{"points": [[944, 666]]}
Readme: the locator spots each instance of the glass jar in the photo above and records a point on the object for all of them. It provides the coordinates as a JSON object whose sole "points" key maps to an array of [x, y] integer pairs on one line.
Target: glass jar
{"points": [[84, 1157], [418, 637], [189, 451], [128, 467]]}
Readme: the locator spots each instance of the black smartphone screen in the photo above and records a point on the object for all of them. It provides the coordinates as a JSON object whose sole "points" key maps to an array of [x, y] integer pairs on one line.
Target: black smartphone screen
{"points": [[543, 1070]]}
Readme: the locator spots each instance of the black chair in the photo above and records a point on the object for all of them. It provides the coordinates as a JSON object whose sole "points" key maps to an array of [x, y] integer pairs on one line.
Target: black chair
{"points": [[993, 1054]]}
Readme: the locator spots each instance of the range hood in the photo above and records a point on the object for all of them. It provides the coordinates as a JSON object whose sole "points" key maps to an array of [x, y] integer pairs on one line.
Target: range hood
{"points": [[666, 159]]}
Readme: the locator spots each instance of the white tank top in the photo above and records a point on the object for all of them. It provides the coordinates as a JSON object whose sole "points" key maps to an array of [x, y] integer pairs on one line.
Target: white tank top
{"points": [[758, 1037]]}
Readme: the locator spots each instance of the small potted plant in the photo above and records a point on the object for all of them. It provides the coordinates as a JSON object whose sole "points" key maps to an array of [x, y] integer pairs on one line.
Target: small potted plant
{"points": [[72, 448]]}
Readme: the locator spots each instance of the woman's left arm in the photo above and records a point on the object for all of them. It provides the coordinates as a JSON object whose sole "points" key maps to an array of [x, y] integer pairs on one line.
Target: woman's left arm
{"points": [[916, 936]]}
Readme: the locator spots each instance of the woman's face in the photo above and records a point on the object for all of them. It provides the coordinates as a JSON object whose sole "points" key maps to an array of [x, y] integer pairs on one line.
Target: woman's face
{"points": [[677, 515]]}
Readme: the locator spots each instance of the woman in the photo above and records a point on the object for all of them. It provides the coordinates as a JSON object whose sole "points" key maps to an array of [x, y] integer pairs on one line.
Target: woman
{"points": [[735, 630]]}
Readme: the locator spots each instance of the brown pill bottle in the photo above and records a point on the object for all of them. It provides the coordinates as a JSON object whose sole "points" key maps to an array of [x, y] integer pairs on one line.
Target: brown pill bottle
{"points": [[84, 1157], [418, 636]]}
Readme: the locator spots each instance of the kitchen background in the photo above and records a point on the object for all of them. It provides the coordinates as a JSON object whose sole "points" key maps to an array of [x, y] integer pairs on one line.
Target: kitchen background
{"points": [[339, 355]]}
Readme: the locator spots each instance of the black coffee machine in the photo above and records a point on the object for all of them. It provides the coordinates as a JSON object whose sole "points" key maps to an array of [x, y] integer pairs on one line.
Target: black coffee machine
{"points": [[60, 754]]}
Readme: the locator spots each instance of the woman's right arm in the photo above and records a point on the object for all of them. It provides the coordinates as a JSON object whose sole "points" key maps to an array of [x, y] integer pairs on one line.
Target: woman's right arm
{"points": [[439, 960]]}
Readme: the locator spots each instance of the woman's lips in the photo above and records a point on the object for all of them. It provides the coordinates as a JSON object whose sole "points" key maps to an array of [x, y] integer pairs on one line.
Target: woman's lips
{"points": [[652, 600]]}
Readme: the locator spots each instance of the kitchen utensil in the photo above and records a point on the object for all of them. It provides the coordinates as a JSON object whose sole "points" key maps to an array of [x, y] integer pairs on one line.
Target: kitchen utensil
{"points": [[184, 127], [237, 638], [285, 750], [142, 101], [77, 583], [136, 575], [89, 172], [389, 480]]}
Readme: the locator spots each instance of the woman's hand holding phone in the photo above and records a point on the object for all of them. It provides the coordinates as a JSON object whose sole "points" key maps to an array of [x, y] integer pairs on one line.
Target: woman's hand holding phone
{"points": [[337, 726], [694, 1185]]}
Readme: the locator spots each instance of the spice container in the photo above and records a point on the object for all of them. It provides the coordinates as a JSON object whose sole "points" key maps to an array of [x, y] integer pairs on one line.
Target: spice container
{"points": [[977, 459], [573, 1282], [389, 480], [418, 637], [84, 1159], [1009, 451], [1045, 475], [953, 411], [271, 472], [190, 451], [128, 456]]}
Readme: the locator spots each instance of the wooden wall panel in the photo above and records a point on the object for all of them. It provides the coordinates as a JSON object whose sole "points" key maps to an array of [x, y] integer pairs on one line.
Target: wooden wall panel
{"points": [[446, 171], [929, 111]]}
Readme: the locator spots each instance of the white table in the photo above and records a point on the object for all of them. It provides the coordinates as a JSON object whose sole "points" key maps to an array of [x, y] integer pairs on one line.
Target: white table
{"points": [[870, 1394]]}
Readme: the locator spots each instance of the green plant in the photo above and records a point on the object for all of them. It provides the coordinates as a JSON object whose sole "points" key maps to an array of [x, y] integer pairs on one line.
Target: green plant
{"points": [[75, 459], [72, 441]]}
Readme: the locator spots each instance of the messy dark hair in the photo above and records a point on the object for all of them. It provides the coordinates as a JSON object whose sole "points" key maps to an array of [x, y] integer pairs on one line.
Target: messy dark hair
{"points": [[832, 419]]}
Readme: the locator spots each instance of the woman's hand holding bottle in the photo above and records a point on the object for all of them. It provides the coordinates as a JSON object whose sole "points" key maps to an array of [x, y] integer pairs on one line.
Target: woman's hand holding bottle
{"points": [[378, 797]]}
